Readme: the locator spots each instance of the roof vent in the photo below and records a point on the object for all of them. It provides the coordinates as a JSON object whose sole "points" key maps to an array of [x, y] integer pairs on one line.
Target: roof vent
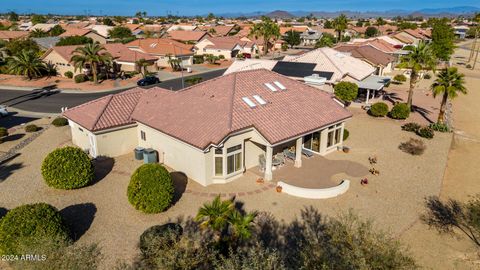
{"points": [[153, 45], [259, 99], [249, 102], [271, 87], [279, 85]]}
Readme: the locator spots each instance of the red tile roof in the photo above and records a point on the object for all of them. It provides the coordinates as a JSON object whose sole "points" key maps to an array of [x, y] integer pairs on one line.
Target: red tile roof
{"points": [[8, 35], [180, 35], [366, 52], [161, 46], [71, 31]]}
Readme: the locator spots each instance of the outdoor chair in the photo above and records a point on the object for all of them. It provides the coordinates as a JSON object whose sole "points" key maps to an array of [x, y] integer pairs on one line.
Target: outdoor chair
{"points": [[281, 157], [307, 153], [289, 154]]}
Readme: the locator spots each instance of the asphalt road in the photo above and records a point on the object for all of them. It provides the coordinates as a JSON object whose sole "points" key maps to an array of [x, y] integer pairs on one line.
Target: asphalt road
{"points": [[52, 101]]}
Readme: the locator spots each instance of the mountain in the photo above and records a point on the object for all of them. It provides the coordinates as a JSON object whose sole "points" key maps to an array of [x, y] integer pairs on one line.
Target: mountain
{"points": [[279, 14]]}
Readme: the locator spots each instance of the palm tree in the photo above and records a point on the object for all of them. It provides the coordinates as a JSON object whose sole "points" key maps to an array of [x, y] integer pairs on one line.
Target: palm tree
{"points": [[268, 30], [215, 215], [474, 43], [38, 33], [448, 84], [175, 63], [93, 55], [143, 64], [340, 24], [420, 58], [242, 224], [26, 63]]}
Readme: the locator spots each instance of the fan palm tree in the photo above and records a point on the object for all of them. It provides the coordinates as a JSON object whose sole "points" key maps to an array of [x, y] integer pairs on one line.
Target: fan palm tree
{"points": [[448, 84], [242, 224], [26, 63], [142, 64], [340, 24], [420, 58], [93, 55], [215, 215], [268, 30]]}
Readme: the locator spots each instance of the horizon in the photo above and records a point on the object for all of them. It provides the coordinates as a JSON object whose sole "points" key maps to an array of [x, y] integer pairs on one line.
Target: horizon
{"points": [[203, 7]]}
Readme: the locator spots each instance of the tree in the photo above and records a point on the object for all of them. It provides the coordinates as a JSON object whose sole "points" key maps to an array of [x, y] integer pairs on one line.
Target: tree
{"points": [[36, 19], [26, 63], [107, 21], [448, 84], [371, 31], [93, 55], [57, 30], [74, 40], [327, 40], [13, 17], [212, 59], [143, 64], [340, 24], [446, 217], [420, 58], [359, 23], [346, 91], [120, 32], [292, 38], [380, 21], [406, 25], [328, 24], [442, 39], [474, 43], [210, 17], [38, 33], [175, 63], [268, 30], [16, 46]]}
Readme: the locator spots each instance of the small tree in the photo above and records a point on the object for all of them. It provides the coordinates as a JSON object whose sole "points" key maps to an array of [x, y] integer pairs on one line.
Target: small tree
{"points": [[74, 40], [346, 91], [120, 32], [371, 31], [57, 30], [38, 33], [442, 39], [142, 64], [327, 40], [292, 38]]}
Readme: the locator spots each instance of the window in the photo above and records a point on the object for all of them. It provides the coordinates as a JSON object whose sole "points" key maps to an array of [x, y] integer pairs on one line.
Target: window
{"points": [[234, 159], [143, 136], [312, 141], [334, 134], [218, 166]]}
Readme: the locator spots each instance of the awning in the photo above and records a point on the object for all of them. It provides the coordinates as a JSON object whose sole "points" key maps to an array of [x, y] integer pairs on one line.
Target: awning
{"points": [[374, 82]]}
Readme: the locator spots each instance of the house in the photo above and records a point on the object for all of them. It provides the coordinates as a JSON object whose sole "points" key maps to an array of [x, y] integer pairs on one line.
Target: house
{"points": [[124, 58], [102, 30], [382, 62], [413, 36], [220, 30], [163, 49], [46, 43], [229, 47], [230, 124], [385, 44], [84, 33], [45, 27], [11, 35], [182, 27], [25, 26], [310, 37], [460, 31], [190, 37]]}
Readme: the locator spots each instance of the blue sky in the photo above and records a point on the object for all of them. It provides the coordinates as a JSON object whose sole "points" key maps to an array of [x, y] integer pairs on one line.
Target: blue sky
{"points": [[194, 7]]}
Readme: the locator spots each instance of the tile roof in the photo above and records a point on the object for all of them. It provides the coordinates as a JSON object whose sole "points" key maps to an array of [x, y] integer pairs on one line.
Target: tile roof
{"points": [[13, 34], [222, 30], [72, 31], [216, 109], [180, 35], [367, 52], [228, 43], [250, 64], [161, 46], [106, 112], [380, 44]]}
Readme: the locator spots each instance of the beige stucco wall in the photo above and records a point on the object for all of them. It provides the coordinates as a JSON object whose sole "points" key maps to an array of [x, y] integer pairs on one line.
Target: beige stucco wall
{"points": [[61, 64], [97, 38], [117, 142], [163, 61], [79, 135]]}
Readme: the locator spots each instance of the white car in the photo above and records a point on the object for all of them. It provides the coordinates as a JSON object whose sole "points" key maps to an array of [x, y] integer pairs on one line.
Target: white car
{"points": [[3, 111]]}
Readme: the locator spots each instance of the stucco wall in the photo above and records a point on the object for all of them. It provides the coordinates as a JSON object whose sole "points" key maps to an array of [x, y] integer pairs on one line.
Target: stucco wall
{"points": [[61, 64], [79, 135], [118, 142], [97, 37]]}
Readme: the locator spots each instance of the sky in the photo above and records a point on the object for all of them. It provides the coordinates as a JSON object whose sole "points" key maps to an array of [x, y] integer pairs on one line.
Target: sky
{"points": [[202, 7]]}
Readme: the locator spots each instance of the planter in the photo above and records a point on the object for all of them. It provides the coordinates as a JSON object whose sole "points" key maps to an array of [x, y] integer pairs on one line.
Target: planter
{"points": [[260, 180], [279, 189], [346, 149]]}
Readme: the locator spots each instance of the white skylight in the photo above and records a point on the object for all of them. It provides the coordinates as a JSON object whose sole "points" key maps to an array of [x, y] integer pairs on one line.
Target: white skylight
{"points": [[281, 86], [271, 87], [153, 45], [249, 102], [259, 99]]}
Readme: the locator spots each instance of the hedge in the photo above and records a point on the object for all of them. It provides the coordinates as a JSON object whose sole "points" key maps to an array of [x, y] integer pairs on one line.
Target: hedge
{"points": [[80, 78], [346, 91], [151, 188], [67, 168], [28, 223], [400, 111], [60, 122], [379, 109]]}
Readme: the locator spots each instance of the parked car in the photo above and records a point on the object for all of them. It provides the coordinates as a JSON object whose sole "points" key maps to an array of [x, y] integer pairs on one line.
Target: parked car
{"points": [[3, 111], [150, 80]]}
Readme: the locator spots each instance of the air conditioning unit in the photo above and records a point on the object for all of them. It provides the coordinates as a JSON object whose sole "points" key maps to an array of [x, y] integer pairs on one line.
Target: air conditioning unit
{"points": [[315, 79]]}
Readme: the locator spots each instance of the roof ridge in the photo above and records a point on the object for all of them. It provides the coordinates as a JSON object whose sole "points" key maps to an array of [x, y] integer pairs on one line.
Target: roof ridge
{"points": [[110, 97], [333, 63], [230, 114]]}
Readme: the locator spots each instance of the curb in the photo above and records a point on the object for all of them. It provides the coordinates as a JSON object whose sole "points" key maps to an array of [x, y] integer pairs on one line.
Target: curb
{"points": [[67, 91]]}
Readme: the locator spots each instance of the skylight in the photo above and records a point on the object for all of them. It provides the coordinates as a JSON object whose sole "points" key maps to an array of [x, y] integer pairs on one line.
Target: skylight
{"points": [[271, 87], [259, 99], [249, 102], [281, 86], [153, 45]]}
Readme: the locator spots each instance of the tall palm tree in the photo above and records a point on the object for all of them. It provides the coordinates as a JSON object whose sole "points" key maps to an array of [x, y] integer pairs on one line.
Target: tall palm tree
{"points": [[420, 58], [340, 24], [26, 63], [215, 215], [92, 54], [268, 30], [448, 84], [474, 43]]}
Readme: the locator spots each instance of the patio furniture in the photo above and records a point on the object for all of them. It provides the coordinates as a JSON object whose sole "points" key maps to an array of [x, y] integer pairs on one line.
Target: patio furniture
{"points": [[276, 162], [281, 158], [262, 162], [307, 153], [288, 154]]}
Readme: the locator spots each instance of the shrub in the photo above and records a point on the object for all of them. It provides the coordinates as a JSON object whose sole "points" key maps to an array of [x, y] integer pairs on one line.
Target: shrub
{"points": [[151, 188], [413, 147], [80, 78], [427, 76], [379, 109], [425, 132], [31, 128], [468, 66], [439, 127], [60, 122], [221, 57], [346, 133], [67, 168], [198, 59], [400, 111], [411, 127], [3, 132], [154, 235], [28, 222], [68, 74], [346, 91], [400, 78]]}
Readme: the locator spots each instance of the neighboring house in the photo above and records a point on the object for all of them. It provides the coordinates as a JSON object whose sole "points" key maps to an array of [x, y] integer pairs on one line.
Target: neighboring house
{"points": [[220, 30], [180, 27], [185, 36], [229, 47], [216, 130], [85, 33], [11, 35], [45, 27], [46, 43], [102, 30], [385, 44], [163, 49], [75, 24], [382, 62], [460, 31], [413, 37], [297, 28], [310, 37], [25, 26]]}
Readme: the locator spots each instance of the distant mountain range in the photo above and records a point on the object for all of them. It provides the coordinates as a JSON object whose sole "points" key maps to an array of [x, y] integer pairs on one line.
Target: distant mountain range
{"points": [[428, 12]]}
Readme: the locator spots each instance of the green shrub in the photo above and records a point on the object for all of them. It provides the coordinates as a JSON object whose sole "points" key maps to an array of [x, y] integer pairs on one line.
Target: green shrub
{"points": [[151, 188], [439, 127], [60, 122], [468, 66], [400, 78], [68, 74], [346, 133], [425, 132], [3, 132], [80, 78], [400, 111], [411, 127], [28, 222], [379, 109], [221, 57], [198, 59], [346, 91], [31, 128], [67, 168], [151, 237], [427, 76]]}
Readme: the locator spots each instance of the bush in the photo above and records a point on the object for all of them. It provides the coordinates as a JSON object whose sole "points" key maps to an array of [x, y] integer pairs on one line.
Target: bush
{"points": [[411, 127], [379, 109], [346, 133], [439, 127], [31, 128], [28, 222], [425, 132], [154, 235], [60, 122], [400, 111], [68, 74], [221, 57], [151, 189], [400, 78], [67, 168], [3, 132], [198, 59], [346, 91], [468, 66], [413, 147], [80, 78], [427, 76]]}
